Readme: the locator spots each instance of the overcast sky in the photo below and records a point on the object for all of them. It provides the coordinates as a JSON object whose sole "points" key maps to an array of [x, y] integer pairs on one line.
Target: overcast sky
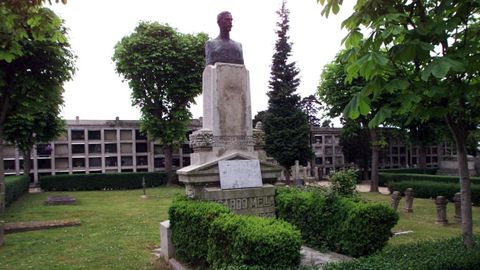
{"points": [[97, 92]]}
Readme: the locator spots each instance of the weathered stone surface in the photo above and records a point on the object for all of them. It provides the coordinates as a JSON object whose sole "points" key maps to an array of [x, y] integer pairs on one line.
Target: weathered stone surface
{"points": [[240, 174], [166, 245], [395, 201], [409, 200], [60, 200], [246, 201], [441, 203], [449, 166]]}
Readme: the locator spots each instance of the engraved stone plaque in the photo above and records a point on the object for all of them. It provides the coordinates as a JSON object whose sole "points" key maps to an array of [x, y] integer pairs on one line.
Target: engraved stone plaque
{"points": [[239, 174]]}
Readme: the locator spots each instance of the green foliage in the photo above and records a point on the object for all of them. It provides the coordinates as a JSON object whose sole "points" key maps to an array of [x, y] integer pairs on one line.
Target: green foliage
{"points": [[430, 171], [112, 181], [253, 242], [310, 106], [428, 255], [15, 186], [388, 177], [190, 222], [355, 143], [345, 225], [286, 126], [344, 182], [430, 189], [163, 69]]}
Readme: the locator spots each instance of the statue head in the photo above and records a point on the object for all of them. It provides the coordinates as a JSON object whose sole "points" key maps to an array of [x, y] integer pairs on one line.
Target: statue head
{"points": [[224, 20]]}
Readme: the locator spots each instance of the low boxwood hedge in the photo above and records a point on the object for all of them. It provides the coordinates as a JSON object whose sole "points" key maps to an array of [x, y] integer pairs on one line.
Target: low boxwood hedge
{"points": [[259, 243], [432, 255], [97, 181], [190, 222], [385, 178], [15, 186], [430, 189], [346, 225], [430, 171], [209, 235]]}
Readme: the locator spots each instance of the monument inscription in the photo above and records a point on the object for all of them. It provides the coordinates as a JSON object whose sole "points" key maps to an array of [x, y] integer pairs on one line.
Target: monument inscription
{"points": [[239, 174]]}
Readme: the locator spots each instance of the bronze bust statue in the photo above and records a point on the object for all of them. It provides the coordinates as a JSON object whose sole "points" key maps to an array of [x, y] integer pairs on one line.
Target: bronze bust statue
{"points": [[223, 49]]}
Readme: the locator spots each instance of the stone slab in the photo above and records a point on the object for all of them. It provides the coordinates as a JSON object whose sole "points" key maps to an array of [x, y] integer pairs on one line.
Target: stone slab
{"points": [[236, 174], [166, 245], [60, 200], [317, 260], [14, 227], [258, 201]]}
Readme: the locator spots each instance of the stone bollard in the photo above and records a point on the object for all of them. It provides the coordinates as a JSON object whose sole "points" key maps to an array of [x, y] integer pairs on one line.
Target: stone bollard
{"points": [[396, 197], [458, 208], [409, 200], [441, 203]]}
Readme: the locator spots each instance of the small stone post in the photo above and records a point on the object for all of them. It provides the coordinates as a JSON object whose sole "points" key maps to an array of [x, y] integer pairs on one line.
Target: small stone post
{"points": [[396, 197], [409, 200], [144, 186], [441, 203], [458, 208]]}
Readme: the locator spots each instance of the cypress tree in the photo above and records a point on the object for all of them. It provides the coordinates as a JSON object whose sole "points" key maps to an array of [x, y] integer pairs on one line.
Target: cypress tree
{"points": [[286, 126]]}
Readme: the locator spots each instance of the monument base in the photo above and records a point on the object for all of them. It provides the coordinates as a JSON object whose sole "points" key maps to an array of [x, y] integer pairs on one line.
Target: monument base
{"points": [[258, 201]]}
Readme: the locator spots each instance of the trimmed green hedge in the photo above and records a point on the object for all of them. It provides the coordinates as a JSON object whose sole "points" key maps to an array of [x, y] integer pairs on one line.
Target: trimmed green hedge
{"points": [[429, 189], [97, 181], [432, 255], [209, 235], [385, 178], [262, 243], [430, 171], [15, 186], [345, 225], [190, 222]]}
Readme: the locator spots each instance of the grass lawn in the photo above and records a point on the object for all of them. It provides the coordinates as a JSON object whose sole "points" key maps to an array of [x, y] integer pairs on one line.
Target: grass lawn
{"points": [[120, 229], [422, 220]]}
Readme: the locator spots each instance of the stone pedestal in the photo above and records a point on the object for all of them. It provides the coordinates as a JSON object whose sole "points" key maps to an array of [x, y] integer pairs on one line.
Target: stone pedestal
{"points": [[409, 200], [441, 203], [166, 245], [395, 201], [227, 135]]}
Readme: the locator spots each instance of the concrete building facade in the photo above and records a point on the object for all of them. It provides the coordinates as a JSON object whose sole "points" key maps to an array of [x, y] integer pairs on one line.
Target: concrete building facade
{"points": [[114, 146]]}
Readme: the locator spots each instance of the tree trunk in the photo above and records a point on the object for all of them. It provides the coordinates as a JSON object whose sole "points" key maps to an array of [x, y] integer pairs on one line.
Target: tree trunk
{"points": [[27, 163], [375, 157], [2, 188], [286, 173], [460, 133], [171, 180], [422, 157]]}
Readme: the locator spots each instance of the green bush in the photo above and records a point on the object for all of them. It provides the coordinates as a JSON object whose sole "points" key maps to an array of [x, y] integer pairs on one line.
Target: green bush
{"points": [[385, 178], [346, 225], [15, 186], [255, 242], [344, 182], [190, 222], [411, 170], [429, 189], [432, 255], [97, 181]]}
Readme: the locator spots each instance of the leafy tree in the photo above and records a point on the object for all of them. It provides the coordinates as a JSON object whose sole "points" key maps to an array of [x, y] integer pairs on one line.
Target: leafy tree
{"points": [[310, 106], [433, 49], [355, 143], [164, 70], [336, 93], [286, 126], [26, 27], [259, 117], [327, 123]]}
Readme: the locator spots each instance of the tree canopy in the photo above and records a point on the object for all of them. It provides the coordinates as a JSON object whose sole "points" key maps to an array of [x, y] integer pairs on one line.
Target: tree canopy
{"points": [[163, 69], [432, 49]]}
